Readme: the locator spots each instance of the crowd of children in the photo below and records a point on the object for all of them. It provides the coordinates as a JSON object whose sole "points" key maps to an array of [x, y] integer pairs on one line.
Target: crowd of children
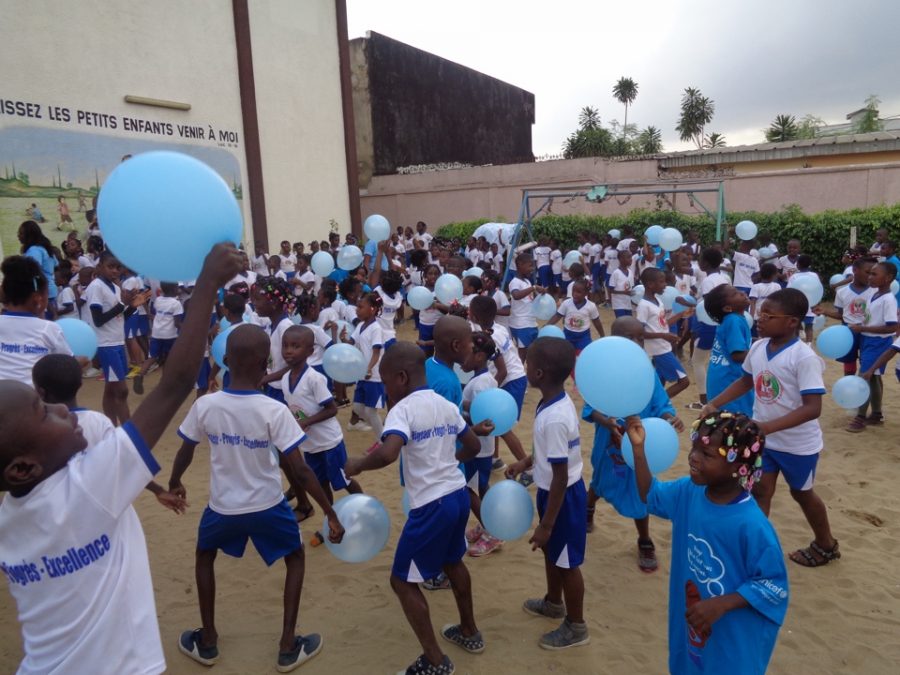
{"points": [[760, 387]]}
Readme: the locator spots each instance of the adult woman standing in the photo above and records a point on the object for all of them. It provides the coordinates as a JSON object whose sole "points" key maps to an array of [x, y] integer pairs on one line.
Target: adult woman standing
{"points": [[36, 245]]}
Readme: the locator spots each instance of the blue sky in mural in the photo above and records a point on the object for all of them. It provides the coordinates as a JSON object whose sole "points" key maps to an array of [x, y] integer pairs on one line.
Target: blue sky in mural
{"points": [[80, 157]]}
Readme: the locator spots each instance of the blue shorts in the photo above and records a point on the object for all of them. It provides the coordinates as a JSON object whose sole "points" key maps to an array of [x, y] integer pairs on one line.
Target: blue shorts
{"points": [[579, 340], [114, 362], [545, 276], [566, 545], [808, 320], [426, 334], [434, 536], [870, 348], [853, 355], [746, 289], [517, 388], [273, 393], [274, 532], [478, 473], [203, 377], [328, 381], [524, 336], [668, 367], [799, 470], [622, 312], [388, 343], [370, 394], [606, 278], [557, 280], [706, 336], [136, 325], [160, 346], [596, 273], [328, 466]]}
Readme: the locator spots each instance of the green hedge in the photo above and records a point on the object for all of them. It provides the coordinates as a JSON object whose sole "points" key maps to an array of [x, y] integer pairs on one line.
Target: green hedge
{"points": [[825, 236]]}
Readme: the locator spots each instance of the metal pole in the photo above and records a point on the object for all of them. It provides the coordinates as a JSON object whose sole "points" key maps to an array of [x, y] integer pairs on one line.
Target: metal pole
{"points": [[720, 212]]}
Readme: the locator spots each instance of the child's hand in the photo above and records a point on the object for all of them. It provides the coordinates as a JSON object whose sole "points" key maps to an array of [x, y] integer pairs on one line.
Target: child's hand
{"points": [[857, 328], [178, 490], [635, 430], [702, 615], [141, 299], [352, 467], [866, 375], [513, 470], [335, 530], [213, 385], [483, 428], [328, 325], [172, 502], [222, 264], [676, 423], [128, 297], [369, 374], [540, 537], [817, 310], [690, 311], [671, 338], [708, 409]]}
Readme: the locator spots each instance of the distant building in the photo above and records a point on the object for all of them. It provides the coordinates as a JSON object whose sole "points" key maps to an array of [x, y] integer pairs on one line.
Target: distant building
{"points": [[415, 108]]}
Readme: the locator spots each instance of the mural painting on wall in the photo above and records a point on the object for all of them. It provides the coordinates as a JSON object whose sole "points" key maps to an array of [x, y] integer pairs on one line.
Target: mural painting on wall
{"points": [[53, 176]]}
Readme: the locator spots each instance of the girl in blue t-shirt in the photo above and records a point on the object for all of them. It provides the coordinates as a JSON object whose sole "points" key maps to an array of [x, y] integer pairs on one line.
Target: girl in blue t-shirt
{"points": [[728, 590], [36, 245], [727, 306]]}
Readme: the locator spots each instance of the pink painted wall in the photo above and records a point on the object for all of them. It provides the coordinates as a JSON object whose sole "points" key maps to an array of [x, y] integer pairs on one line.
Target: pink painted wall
{"points": [[442, 197]]}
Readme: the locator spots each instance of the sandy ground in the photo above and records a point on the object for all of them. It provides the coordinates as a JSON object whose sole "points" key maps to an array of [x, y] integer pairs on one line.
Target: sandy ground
{"points": [[843, 618]]}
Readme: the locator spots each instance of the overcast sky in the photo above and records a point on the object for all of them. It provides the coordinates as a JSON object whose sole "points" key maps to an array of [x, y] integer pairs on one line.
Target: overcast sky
{"points": [[754, 59]]}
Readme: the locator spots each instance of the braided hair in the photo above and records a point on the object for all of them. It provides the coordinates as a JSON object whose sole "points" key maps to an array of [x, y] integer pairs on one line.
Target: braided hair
{"points": [[305, 304], [391, 281], [742, 442], [277, 290], [482, 343], [373, 300]]}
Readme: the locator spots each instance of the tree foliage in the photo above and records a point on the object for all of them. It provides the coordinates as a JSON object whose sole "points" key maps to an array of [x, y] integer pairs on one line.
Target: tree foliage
{"points": [[625, 91], [714, 140], [696, 112], [649, 141], [869, 122], [783, 128]]}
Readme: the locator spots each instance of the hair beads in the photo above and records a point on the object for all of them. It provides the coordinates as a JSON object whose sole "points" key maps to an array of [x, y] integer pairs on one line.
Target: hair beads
{"points": [[742, 442]]}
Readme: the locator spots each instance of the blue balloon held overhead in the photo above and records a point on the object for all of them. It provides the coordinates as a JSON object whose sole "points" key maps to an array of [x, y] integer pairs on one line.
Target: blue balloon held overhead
{"points": [[80, 337], [746, 230], [544, 307], [448, 288], [377, 228], [344, 363], [349, 257], [322, 263], [653, 233], [367, 527], [420, 298], [497, 405], [507, 510], [660, 446], [615, 234], [850, 391], [218, 347], [835, 342], [552, 331], [615, 359], [162, 212], [670, 239]]}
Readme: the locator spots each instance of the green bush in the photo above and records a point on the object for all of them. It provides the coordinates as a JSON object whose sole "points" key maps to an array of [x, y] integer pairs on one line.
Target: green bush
{"points": [[825, 236]]}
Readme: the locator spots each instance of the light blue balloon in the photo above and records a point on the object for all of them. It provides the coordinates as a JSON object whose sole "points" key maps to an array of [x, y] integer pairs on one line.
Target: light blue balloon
{"points": [[544, 307], [341, 326], [895, 287], [748, 317], [225, 323], [367, 527], [552, 331], [818, 323], [473, 272], [344, 363], [349, 257], [80, 337], [670, 239], [811, 287], [677, 307], [746, 230], [835, 342], [499, 406], [653, 233], [462, 375], [765, 253], [448, 288], [637, 294], [377, 228], [615, 234], [668, 297], [836, 279], [420, 298], [322, 264], [615, 359], [404, 503], [218, 347], [507, 510], [162, 212], [704, 316], [571, 258], [660, 446], [850, 391]]}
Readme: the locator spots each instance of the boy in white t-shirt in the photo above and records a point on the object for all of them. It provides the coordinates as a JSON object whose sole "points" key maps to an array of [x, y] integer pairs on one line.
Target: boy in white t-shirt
{"points": [[658, 339], [287, 259], [167, 317], [245, 497], [424, 427], [851, 306], [804, 262], [621, 284], [542, 262], [260, 258], [522, 324], [768, 273], [786, 377], [787, 264], [562, 498], [71, 544], [746, 266]]}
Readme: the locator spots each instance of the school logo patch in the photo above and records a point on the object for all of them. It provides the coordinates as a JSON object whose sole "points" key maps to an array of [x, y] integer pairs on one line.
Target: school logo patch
{"points": [[577, 323], [859, 307], [298, 412], [767, 387], [662, 321]]}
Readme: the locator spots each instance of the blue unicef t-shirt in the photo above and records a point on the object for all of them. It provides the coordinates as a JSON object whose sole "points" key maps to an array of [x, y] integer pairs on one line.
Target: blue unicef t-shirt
{"points": [[372, 250], [613, 479], [48, 266], [717, 550], [732, 335], [442, 380]]}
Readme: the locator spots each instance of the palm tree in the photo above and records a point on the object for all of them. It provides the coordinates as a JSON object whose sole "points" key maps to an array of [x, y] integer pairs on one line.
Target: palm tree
{"points": [[715, 140], [588, 143], [625, 91], [783, 129], [696, 112], [589, 119], [649, 141]]}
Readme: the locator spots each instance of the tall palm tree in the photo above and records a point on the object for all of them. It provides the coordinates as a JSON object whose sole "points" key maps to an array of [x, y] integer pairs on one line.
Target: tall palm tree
{"points": [[696, 112], [589, 119], [625, 91]]}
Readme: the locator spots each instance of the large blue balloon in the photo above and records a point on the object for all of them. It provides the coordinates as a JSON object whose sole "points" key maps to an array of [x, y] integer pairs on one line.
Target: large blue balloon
{"points": [[218, 347], [462, 375], [670, 239], [653, 233], [344, 363], [836, 279], [507, 510], [571, 258], [162, 212], [615, 376], [81, 338], [552, 331], [377, 228], [746, 230], [367, 526], [420, 298], [499, 406], [850, 391], [448, 288], [811, 287], [835, 342], [473, 272], [704, 316], [660, 446], [765, 253], [544, 307], [349, 257], [322, 263], [668, 297], [637, 294]]}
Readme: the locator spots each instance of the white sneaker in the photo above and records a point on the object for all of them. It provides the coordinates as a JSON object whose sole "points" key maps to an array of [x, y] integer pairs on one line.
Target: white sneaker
{"points": [[359, 426], [92, 372]]}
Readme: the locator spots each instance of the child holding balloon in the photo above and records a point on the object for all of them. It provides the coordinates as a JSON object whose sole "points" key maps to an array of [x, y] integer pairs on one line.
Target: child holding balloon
{"points": [[578, 314], [851, 302], [429, 317], [368, 397], [561, 498], [728, 588], [658, 340]]}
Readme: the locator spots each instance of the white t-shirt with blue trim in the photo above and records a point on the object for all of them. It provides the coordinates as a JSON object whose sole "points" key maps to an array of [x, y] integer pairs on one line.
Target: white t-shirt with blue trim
{"points": [[307, 398], [105, 295], [882, 312], [24, 340], [481, 382], [556, 439], [367, 338], [276, 360]]}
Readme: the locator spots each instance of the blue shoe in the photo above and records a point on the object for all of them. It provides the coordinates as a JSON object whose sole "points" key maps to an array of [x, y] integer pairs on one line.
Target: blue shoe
{"points": [[305, 648], [189, 644]]}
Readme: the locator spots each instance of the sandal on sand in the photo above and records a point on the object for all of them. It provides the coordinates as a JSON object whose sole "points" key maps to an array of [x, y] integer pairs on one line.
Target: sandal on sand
{"points": [[304, 514], [696, 405], [875, 420], [857, 424], [647, 556], [590, 519], [440, 583], [805, 559]]}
